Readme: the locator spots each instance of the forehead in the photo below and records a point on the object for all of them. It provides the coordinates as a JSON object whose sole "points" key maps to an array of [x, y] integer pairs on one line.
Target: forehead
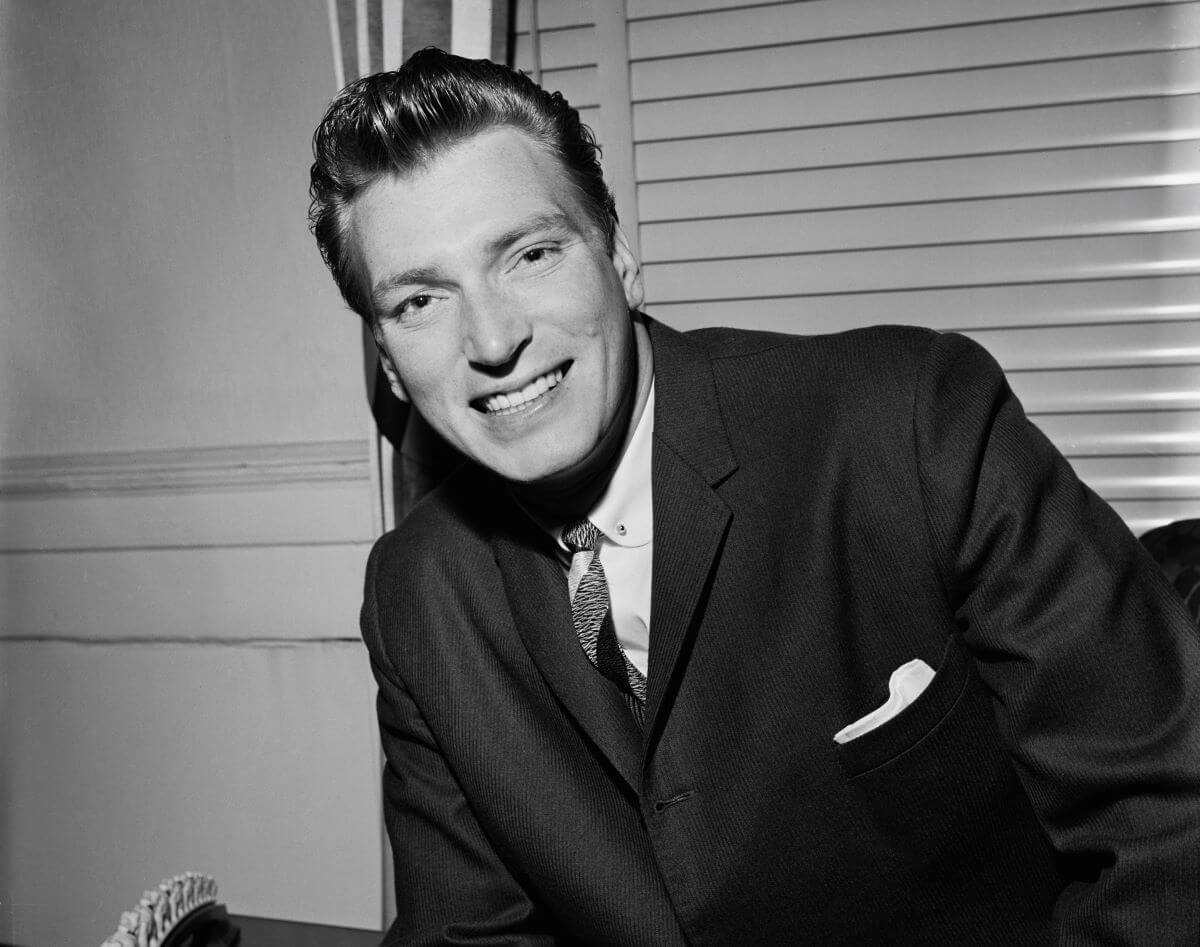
{"points": [[476, 185]]}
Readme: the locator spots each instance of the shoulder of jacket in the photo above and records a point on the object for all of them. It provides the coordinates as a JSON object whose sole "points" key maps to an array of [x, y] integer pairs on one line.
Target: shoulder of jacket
{"points": [[446, 523], [870, 342], [851, 363]]}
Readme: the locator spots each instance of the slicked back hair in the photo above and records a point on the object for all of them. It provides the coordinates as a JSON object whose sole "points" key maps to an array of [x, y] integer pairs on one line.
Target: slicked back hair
{"points": [[392, 123]]}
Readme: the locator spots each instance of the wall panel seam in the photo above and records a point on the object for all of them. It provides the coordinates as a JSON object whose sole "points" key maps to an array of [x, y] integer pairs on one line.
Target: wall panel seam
{"points": [[334, 462]]}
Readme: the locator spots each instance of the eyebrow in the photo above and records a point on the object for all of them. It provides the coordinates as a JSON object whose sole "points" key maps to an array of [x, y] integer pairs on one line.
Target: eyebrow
{"points": [[418, 274], [495, 246], [552, 221]]}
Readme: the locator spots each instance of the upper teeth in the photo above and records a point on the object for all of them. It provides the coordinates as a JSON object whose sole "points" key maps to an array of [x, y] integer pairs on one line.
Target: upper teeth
{"points": [[512, 400]]}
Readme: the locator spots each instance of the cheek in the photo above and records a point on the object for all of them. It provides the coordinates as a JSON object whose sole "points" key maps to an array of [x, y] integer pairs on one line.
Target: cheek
{"points": [[586, 298], [424, 370]]}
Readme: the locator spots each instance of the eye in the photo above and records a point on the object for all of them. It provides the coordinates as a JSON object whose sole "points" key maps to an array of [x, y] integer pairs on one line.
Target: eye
{"points": [[414, 303], [535, 255]]}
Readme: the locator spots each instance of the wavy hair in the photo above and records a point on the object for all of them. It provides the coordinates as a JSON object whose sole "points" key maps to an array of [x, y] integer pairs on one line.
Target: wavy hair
{"points": [[391, 123]]}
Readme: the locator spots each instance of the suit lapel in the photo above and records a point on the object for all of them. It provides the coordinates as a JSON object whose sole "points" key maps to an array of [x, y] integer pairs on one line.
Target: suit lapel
{"points": [[690, 521], [692, 455], [537, 594]]}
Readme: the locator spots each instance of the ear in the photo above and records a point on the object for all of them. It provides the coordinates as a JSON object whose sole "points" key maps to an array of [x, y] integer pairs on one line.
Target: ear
{"points": [[628, 269], [389, 370]]}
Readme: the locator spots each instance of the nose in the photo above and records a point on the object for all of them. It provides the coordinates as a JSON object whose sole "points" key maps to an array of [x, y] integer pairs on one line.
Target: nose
{"points": [[495, 331]]}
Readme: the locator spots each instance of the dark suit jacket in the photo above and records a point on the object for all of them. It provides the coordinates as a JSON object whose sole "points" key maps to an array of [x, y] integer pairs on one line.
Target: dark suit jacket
{"points": [[825, 509]]}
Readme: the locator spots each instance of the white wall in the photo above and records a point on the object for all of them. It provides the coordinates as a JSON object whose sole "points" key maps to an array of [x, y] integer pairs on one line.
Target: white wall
{"points": [[185, 489], [159, 286]]}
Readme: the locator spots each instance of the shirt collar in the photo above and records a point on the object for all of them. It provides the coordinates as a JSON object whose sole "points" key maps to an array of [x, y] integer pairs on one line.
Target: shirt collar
{"points": [[624, 513]]}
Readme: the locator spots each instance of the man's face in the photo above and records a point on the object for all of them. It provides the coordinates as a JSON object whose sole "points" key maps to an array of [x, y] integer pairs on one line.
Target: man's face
{"points": [[500, 312]]}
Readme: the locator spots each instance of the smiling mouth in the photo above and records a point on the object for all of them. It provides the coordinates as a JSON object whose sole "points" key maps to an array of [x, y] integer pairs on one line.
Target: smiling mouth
{"points": [[522, 399]]}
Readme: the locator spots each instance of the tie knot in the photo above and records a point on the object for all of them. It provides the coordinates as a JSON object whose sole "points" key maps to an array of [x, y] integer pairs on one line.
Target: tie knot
{"points": [[581, 536]]}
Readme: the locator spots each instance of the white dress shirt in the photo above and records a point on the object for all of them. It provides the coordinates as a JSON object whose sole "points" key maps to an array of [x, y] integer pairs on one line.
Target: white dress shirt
{"points": [[624, 515]]}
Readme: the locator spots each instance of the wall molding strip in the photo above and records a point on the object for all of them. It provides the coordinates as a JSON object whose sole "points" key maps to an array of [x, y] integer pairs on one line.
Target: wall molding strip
{"points": [[190, 470]]}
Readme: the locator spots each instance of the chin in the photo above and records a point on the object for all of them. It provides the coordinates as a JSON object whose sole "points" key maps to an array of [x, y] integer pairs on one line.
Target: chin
{"points": [[538, 463], [538, 472]]}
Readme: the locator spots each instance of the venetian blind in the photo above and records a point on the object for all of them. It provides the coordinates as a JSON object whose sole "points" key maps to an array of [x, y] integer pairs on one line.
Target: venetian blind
{"points": [[1025, 172]]}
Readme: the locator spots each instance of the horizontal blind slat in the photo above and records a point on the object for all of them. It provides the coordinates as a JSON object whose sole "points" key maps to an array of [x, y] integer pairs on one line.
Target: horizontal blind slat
{"points": [[1084, 258], [1107, 345], [856, 17], [965, 308], [1043, 216], [577, 85], [997, 40], [740, 71], [1136, 478], [1141, 516], [1124, 121], [552, 14], [561, 49], [1161, 387], [1091, 169], [967, 92], [1125, 433]]}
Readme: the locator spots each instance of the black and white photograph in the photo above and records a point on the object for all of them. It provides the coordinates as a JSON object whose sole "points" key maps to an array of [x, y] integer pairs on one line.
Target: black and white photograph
{"points": [[633, 473]]}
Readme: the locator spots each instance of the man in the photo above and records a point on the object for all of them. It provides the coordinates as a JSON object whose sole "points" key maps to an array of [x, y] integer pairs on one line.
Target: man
{"points": [[634, 655]]}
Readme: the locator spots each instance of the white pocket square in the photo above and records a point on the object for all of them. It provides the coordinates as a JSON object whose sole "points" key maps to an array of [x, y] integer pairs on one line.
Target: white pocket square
{"points": [[904, 686]]}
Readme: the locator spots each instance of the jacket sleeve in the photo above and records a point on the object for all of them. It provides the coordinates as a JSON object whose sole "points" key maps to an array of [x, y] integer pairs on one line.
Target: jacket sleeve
{"points": [[451, 885], [1092, 662]]}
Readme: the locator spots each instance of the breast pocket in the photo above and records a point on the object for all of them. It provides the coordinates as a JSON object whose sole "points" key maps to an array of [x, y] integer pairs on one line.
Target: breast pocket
{"points": [[933, 710], [937, 781]]}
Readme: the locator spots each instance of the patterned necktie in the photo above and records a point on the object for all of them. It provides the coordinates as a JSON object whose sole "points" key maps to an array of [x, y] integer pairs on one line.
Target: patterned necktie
{"points": [[592, 614]]}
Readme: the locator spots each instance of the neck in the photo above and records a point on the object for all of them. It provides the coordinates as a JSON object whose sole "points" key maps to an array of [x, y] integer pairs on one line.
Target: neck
{"points": [[570, 495]]}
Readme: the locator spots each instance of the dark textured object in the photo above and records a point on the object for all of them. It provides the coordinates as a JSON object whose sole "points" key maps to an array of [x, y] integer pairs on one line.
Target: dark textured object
{"points": [[207, 926], [1176, 546], [825, 510]]}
